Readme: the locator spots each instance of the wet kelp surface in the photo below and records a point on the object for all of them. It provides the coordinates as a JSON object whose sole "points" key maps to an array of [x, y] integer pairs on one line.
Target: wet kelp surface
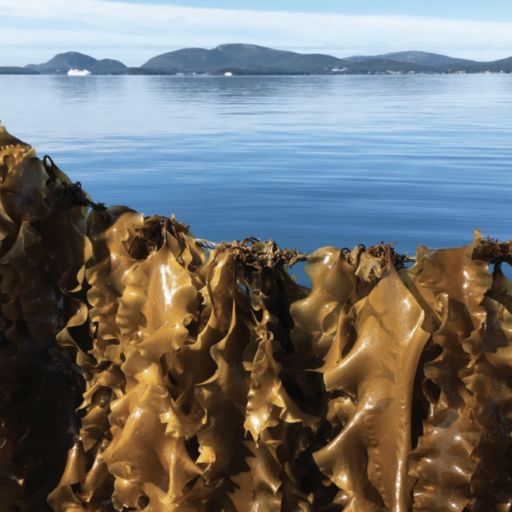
{"points": [[142, 370]]}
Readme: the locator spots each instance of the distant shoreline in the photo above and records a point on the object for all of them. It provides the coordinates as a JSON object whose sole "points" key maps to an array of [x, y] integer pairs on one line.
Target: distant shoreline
{"points": [[246, 59], [258, 74]]}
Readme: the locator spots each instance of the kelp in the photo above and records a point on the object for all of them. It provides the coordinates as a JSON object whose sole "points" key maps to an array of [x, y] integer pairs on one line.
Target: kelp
{"points": [[144, 369], [42, 254]]}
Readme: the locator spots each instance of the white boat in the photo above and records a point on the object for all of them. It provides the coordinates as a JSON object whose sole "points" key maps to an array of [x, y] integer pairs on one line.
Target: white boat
{"points": [[79, 72], [228, 73]]}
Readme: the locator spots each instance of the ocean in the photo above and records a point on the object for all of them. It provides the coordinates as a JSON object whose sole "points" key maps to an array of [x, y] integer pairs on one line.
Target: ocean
{"points": [[307, 161]]}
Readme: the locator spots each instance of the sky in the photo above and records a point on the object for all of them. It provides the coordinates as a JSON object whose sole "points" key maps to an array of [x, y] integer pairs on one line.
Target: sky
{"points": [[32, 31]]}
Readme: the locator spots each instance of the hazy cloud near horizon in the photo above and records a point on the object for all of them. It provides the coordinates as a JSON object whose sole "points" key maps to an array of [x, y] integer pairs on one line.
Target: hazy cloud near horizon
{"points": [[34, 30]]}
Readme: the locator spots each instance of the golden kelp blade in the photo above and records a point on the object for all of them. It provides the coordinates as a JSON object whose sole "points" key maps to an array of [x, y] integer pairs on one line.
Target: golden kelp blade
{"points": [[378, 373], [141, 371]]}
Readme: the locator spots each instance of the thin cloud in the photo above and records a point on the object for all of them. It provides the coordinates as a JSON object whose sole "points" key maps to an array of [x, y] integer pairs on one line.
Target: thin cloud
{"points": [[134, 32]]}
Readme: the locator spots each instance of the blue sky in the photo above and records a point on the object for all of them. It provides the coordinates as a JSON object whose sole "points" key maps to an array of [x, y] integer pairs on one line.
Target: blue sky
{"points": [[467, 9], [135, 30]]}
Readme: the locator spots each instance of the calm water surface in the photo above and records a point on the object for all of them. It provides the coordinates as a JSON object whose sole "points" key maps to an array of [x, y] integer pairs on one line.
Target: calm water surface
{"points": [[308, 161]]}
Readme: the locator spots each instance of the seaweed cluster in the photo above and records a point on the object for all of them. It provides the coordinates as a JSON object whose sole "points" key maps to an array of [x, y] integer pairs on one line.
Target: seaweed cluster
{"points": [[143, 371]]}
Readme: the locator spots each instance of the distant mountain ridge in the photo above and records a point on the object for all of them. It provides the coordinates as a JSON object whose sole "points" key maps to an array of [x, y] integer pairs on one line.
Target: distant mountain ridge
{"points": [[246, 59], [63, 62], [242, 58], [416, 57]]}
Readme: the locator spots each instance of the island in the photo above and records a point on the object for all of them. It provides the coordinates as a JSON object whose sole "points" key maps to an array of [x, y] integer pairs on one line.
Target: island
{"points": [[250, 59]]}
